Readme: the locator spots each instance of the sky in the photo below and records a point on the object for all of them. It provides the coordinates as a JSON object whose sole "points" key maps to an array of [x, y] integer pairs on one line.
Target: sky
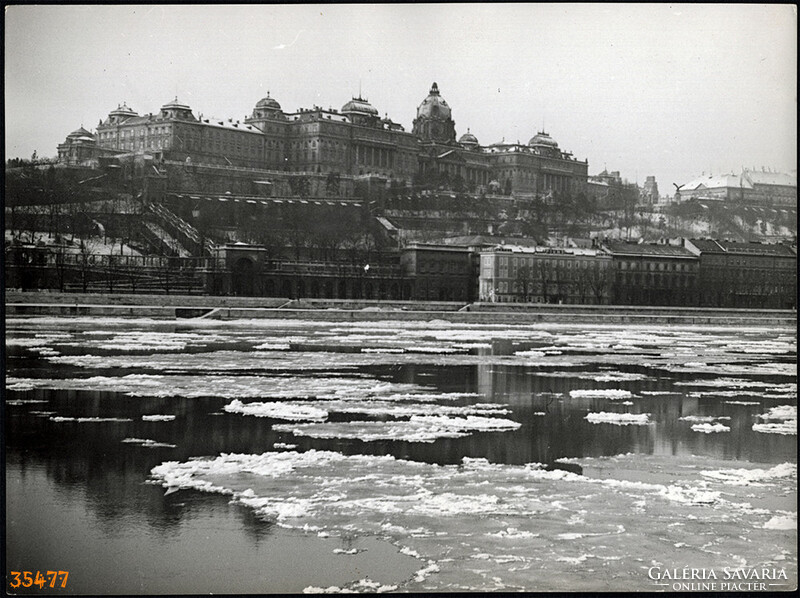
{"points": [[670, 90]]}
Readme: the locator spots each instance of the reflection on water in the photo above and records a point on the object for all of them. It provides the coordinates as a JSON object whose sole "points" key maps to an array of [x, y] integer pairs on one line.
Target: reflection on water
{"points": [[78, 498]]}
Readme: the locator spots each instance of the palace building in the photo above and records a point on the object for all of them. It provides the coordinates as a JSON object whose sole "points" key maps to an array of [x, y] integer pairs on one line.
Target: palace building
{"points": [[353, 141]]}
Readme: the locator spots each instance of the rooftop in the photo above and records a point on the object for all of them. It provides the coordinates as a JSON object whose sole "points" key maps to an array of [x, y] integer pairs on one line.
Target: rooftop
{"points": [[647, 249]]}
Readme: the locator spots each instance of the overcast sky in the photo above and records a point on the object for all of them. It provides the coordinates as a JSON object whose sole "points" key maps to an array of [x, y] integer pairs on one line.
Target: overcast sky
{"points": [[665, 90]]}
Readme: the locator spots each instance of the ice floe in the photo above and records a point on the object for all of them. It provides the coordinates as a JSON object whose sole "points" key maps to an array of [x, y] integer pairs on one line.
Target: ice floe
{"points": [[779, 420], [782, 522], [755, 477], [711, 428], [620, 419], [147, 443], [84, 420], [285, 411], [158, 418], [418, 428], [365, 585], [609, 393], [703, 418]]}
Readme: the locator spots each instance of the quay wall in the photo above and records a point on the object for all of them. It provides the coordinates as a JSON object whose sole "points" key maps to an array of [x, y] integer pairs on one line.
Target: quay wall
{"points": [[22, 304]]}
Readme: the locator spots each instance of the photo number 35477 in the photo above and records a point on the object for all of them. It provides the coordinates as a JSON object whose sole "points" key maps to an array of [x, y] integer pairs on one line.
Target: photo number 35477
{"points": [[27, 579]]}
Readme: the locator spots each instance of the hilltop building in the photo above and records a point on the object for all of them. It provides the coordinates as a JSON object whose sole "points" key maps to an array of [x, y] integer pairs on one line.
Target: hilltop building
{"points": [[354, 141], [763, 188], [650, 191]]}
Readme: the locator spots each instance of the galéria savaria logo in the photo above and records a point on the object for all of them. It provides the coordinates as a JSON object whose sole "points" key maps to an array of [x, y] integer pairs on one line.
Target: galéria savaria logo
{"points": [[725, 579]]}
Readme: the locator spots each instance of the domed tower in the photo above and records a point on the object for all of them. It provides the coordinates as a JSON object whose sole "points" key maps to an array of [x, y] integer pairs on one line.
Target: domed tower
{"points": [[265, 109], [469, 141], [176, 110], [434, 121], [544, 144], [360, 112], [121, 114]]}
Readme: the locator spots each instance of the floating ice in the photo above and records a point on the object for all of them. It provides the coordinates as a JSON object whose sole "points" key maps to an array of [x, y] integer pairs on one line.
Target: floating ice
{"points": [[418, 428], [747, 477], [284, 445], [782, 412], [710, 428], [147, 443], [18, 402], [780, 420], [272, 346], [620, 419], [365, 585], [787, 427], [703, 418], [618, 377], [286, 411], [781, 522], [610, 393], [158, 418], [513, 533], [83, 420], [530, 353]]}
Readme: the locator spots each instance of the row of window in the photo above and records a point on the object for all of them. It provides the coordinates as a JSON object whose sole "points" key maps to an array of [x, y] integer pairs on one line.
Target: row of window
{"points": [[654, 266]]}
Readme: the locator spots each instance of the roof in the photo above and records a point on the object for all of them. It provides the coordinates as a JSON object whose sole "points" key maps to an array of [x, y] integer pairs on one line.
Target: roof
{"points": [[565, 251], [716, 181], [647, 249], [542, 138], [486, 240], [770, 178], [359, 105], [749, 248]]}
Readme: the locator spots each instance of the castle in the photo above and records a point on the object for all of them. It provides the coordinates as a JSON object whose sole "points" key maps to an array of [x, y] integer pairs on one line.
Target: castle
{"points": [[353, 141]]}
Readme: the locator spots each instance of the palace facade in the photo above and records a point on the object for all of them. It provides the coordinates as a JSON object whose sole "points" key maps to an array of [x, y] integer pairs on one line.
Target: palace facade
{"points": [[353, 141]]}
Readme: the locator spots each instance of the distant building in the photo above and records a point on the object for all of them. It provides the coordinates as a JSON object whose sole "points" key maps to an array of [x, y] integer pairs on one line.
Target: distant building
{"points": [[515, 274], [650, 191], [354, 141], [609, 191], [755, 275], [653, 273], [439, 272], [750, 187]]}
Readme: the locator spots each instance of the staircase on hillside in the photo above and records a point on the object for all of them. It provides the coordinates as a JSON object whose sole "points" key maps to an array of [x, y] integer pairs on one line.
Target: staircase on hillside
{"points": [[163, 241], [184, 233]]}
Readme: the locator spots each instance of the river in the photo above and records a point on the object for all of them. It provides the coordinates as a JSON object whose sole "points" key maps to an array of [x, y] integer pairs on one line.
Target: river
{"points": [[194, 456]]}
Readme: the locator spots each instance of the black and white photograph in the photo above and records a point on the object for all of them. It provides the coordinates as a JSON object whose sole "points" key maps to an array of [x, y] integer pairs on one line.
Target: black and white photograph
{"points": [[400, 298]]}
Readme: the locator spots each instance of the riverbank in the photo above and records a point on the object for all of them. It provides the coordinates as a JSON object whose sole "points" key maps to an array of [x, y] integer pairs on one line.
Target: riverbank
{"points": [[232, 308]]}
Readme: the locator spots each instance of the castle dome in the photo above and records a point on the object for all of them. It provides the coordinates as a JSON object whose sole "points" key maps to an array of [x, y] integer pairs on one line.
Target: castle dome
{"points": [[175, 105], [268, 103], [468, 139], [434, 106], [80, 133], [123, 111], [542, 139], [360, 106]]}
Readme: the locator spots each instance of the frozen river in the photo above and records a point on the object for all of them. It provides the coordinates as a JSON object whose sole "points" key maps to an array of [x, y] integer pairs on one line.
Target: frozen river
{"points": [[286, 456]]}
